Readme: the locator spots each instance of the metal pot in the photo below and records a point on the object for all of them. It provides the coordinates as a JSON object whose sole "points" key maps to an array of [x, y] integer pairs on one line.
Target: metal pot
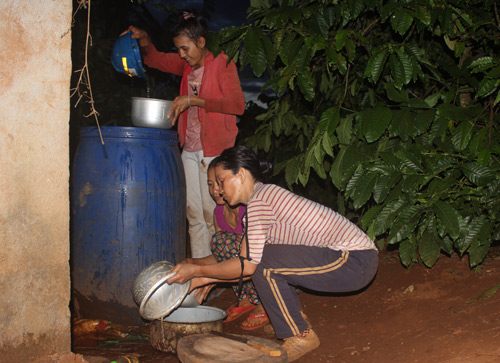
{"points": [[154, 296], [151, 112], [164, 334]]}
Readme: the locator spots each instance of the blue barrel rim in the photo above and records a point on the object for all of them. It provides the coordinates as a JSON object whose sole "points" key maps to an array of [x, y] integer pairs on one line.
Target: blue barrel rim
{"points": [[124, 132]]}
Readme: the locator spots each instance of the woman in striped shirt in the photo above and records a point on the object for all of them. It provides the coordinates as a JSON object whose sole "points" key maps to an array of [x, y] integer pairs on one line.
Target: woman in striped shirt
{"points": [[290, 242]]}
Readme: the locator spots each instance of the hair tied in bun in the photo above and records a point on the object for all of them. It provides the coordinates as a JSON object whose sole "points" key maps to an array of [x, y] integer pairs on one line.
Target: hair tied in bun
{"points": [[187, 15]]}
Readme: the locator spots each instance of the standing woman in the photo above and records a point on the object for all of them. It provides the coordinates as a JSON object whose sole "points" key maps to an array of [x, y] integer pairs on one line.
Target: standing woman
{"points": [[210, 98], [291, 242]]}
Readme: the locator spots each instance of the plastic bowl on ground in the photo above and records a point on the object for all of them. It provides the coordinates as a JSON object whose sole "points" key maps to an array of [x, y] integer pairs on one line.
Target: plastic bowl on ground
{"points": [[151, 112], [155, 297], [126, 56]]}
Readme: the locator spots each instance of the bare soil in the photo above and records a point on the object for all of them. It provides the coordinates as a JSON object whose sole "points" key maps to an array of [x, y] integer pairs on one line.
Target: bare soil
{"points": [[445, 314]]}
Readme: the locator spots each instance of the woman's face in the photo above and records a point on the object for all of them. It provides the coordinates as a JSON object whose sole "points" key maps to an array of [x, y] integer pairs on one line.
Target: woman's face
{"points": [[213, 187], [193, 52], [230, 186]]}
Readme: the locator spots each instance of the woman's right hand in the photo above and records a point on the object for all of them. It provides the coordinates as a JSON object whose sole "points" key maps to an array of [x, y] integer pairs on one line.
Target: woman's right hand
{"points": [[139, 34]]}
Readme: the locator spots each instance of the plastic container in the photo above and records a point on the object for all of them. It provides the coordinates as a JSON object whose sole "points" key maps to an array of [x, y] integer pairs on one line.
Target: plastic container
{"points": [[126, 56], [128, 210]]}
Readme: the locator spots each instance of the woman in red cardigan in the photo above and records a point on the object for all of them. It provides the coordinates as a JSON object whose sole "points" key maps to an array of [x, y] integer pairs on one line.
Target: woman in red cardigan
{"points": [[210, 98]]}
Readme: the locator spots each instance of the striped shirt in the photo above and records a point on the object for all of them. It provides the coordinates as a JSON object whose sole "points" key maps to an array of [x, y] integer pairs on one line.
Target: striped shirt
{"points": [[277, 216]]}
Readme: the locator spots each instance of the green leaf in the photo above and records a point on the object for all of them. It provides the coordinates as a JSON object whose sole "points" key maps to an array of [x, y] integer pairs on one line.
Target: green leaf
{"points": [[303, 59], [397, 71], [478, 174], [353, 182], [258, 62], [369, 216], [356, 7], [447, 217], [328, 144], [497, 99], [405, 223], [487, 87], [378, 64], [292, 170], [429, 249], [340, 38], [478, 251], [410, 160], [395, 95], [374, 122], [306, 85], [481, 64], [476, 229], [384, 184], [259, 4], [385, 217], [401, 21], [485, 294], [452, 112], [407, 252], [322, 25], [402, 124], [406, 64], [446, 245], [329, 120], [423, 119], [462, 135], [269, 50], [252, 42], [412, 183], [344, 131], [363, 189], [345, 163]]}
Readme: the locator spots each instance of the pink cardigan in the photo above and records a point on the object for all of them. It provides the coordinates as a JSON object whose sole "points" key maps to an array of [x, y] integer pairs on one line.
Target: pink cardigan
{"points": [[221, 90]]}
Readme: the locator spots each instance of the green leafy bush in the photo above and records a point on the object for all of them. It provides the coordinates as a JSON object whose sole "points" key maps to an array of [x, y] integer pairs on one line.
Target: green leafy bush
{"points": [[396, 102]]}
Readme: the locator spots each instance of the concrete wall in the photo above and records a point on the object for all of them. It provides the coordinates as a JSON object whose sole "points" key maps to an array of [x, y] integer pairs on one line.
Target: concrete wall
{"points": [[35, 70]]}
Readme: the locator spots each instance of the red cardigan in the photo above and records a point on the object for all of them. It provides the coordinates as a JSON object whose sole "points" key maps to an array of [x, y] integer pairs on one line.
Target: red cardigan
{"points": [[221, 89]]}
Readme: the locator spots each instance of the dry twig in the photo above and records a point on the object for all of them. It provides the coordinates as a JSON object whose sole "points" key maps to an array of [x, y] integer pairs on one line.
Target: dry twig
{"points": [[84, 78]]}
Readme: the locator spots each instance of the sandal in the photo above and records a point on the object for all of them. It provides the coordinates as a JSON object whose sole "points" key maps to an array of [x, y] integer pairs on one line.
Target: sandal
{"points": [[255, 316], [238, 310]]}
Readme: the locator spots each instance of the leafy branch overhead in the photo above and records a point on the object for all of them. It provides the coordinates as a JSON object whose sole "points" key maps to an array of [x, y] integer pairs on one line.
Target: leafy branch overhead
{"points": [[395, 102]]}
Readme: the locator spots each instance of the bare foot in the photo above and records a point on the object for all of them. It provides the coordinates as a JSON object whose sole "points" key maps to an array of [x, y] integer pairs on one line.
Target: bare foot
{"points": [[255, 319]]}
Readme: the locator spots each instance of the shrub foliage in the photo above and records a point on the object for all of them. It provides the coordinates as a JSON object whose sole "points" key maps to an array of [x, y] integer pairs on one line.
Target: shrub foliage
{"points": [[396, 102]]}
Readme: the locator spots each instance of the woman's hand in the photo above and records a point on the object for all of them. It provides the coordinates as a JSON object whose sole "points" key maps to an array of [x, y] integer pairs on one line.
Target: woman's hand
{"points": [[139, 34], [179, 105], [202, 292], [183, 273]]}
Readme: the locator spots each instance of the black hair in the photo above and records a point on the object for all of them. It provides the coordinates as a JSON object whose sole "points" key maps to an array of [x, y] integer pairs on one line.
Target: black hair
{"points": [[191, 24], [239, 157], [213, 163]]}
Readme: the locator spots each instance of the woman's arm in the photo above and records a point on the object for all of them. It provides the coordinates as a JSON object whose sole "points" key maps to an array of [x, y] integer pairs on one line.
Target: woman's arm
{"points": [[166, 62], [225, 271], [233, 100], [217, 228], [208, 260]]}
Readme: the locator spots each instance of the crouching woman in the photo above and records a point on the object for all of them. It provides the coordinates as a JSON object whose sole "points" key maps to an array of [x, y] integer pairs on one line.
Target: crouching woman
{"points": [[289, 242]]}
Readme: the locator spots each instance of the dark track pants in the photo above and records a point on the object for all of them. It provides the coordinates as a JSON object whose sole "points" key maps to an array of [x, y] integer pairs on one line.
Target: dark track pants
{"points": [[285, 267]]}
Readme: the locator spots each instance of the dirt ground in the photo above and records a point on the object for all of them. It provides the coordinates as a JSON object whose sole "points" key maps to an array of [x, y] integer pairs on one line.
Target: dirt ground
{"points": [[445, 314]]}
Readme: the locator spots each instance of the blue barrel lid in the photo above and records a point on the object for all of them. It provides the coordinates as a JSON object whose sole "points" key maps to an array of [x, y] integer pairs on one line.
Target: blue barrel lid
{"points": [[126, 57], [127, 132]]}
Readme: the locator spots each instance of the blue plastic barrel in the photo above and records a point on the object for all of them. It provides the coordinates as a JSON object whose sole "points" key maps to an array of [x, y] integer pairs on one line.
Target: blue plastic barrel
{"points": [[128, 210]]}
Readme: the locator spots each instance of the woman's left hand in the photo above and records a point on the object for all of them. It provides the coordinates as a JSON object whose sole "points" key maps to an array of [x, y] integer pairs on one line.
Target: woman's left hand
{"points": [[179, 105], [202, 292]]}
